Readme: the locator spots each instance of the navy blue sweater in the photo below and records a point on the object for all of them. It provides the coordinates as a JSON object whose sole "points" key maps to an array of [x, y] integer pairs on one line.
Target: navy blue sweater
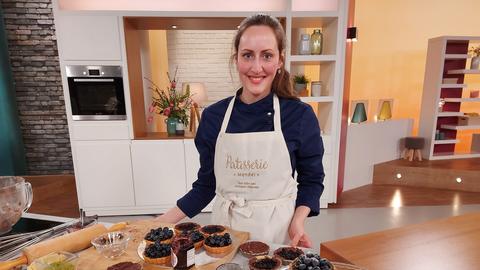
{"points": [[300, 130]]}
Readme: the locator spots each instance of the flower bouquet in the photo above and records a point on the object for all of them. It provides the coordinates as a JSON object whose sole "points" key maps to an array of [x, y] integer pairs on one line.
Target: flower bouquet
{"points": [[171, 103]]}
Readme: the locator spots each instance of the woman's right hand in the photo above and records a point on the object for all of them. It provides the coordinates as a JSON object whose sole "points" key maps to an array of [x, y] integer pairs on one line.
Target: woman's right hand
{"points": [[173, 216]]}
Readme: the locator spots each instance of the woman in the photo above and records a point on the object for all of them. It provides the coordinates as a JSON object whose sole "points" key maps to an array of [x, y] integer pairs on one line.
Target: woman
{"points": [[246, 160]]}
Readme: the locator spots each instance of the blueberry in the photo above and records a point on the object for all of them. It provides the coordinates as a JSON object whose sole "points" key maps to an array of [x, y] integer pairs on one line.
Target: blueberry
{"points": [[302, 266]]}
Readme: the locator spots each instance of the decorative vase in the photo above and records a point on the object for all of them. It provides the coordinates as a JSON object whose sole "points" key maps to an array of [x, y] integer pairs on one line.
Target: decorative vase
{"points": [[299, 87], [171, 125], [316, 42], [475, 62], [180, 129], [304, 45]]}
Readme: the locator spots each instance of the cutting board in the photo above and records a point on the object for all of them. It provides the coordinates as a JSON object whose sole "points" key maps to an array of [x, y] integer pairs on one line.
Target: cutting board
{"points": [[90, 259]]}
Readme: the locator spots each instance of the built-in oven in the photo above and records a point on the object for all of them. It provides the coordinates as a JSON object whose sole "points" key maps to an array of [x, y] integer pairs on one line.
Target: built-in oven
{"points": [[96, 92]]}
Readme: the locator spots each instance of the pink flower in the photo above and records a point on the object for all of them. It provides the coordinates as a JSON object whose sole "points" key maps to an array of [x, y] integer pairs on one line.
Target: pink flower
{"points": [[166, 112], [173, 84], [150, 119], [151, 109]]}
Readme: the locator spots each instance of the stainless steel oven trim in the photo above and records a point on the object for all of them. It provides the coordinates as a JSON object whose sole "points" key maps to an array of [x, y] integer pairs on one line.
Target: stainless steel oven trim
{"points": [[93, 80], [98, 117], [82, 71]]}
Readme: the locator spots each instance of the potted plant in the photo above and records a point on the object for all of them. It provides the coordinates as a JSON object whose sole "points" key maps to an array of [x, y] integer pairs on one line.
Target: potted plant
{"points": [[300, 82], [171, 103], [475, 51]]}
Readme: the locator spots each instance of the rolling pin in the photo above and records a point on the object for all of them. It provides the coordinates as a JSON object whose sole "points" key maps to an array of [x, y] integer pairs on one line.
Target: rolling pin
{"points": [[72, 242]]}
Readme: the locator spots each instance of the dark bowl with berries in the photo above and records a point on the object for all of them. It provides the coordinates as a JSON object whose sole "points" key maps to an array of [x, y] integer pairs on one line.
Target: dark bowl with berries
{"points": [[157, 253], [288, 254], [218, 244], [311, 261], [213, 229], [264, 263], [186, 227], [164, 235]]}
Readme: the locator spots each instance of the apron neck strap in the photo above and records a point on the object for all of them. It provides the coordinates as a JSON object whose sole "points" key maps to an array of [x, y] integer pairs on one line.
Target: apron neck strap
{"points": [[276, 115]]}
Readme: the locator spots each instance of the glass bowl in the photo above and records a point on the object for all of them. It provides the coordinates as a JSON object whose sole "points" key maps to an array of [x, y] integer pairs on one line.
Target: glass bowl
{"points": [[112, 244], [54, 261]]}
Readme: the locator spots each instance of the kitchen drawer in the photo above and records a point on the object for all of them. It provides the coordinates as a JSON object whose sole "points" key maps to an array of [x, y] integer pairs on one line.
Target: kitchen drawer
{"points": [[99, 130]]}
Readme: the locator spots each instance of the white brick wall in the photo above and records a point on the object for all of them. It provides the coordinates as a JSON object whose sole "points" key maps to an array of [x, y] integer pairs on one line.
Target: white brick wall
{"points": [[204, 56]]}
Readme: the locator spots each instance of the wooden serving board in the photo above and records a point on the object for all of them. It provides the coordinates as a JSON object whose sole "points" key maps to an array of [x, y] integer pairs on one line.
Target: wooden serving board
{"points": [[90, 259]]}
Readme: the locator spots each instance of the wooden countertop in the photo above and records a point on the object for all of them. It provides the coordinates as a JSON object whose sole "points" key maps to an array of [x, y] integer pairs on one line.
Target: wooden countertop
{"points": [[452, 243], [163, 136]]}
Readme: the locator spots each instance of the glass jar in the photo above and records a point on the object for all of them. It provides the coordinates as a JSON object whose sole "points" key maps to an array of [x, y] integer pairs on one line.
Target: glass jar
{"points": [[316, 88], [316, 42], [304, 45], [184, 249]]}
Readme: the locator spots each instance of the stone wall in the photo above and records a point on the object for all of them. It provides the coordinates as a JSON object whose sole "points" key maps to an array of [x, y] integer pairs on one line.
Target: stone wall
{"points": [[34, 58]]}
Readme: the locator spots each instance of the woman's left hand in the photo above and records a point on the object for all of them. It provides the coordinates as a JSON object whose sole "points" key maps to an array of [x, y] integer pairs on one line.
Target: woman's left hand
{"points": [[296, 230]]}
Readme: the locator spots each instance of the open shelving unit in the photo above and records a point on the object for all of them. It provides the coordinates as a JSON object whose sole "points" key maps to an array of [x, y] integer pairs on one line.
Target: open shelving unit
{"points": [[446, 59], [328, 67]]}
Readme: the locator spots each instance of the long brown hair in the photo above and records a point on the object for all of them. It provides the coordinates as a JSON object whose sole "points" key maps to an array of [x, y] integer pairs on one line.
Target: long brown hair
{"points": [[281, 85]]}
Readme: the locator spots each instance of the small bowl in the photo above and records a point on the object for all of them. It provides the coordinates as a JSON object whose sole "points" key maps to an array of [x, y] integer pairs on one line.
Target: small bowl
{"points": [[56, 260], [112, 244]]}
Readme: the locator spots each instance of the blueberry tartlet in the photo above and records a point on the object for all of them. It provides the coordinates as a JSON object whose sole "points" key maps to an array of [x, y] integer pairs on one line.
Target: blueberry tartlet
{"points": [[218, 243], [254, 248], [198, 239], [312, 262], [164, 235], [157, 253], [186, 227], [264, 263], [213, 229], [288, 254]]}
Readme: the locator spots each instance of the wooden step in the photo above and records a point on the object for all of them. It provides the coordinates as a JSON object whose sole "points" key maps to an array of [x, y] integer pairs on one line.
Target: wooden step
{"points": [[458, 174]]}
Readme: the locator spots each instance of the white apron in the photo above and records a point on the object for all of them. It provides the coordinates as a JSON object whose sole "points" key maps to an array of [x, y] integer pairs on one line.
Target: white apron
{"points": [[255, 188]]}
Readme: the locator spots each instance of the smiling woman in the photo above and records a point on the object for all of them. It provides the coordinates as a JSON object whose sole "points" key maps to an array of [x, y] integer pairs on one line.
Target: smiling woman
{"points": [[251, 144]]}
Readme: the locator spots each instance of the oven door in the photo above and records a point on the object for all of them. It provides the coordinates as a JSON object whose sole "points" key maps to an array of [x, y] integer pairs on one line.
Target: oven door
{"points": [[97, 98]]}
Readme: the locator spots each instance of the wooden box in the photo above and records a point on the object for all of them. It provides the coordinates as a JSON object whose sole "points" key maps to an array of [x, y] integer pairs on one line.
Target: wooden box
{"points": [[468, 120]]}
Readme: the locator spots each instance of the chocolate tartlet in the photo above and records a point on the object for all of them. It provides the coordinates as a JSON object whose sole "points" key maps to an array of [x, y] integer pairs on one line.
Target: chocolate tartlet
{"points": [[213, 229], [288, 254], [157, 253], [125, 266], [218, 244], [264, 263], [311, 261], [254, 248], [186, 227], [164, 235]]}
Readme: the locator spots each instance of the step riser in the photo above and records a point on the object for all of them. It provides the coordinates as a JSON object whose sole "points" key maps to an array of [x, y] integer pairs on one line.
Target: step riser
{"points": [[427, 177]]}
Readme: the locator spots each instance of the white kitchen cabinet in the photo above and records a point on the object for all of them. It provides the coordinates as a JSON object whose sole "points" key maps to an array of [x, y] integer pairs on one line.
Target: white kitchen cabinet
{"points": [[158, 172], [88, 37], [103, 173]]}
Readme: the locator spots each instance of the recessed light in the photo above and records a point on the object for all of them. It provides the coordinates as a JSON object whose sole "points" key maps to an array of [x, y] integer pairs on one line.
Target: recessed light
{"points": [[399, 175], [174, 27], [238, 26], [459, 180]]}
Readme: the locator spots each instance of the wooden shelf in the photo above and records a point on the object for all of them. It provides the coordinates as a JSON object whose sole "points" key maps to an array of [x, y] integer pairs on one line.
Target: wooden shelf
{"points": [[312, 59], [454, 127], [456, 56], [448, 114], [452, 85], [447, 141], [464, 71], [164, 136], [317, 99], [451, 155], [462, 99]]}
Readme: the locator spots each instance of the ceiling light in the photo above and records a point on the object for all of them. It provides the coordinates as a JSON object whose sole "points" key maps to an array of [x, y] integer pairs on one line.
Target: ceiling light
{"points": [[174, 27], [459, 180], [399, 175]]}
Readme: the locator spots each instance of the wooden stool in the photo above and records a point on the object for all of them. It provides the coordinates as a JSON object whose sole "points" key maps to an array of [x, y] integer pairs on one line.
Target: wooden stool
{"points": [[413, 147]]}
